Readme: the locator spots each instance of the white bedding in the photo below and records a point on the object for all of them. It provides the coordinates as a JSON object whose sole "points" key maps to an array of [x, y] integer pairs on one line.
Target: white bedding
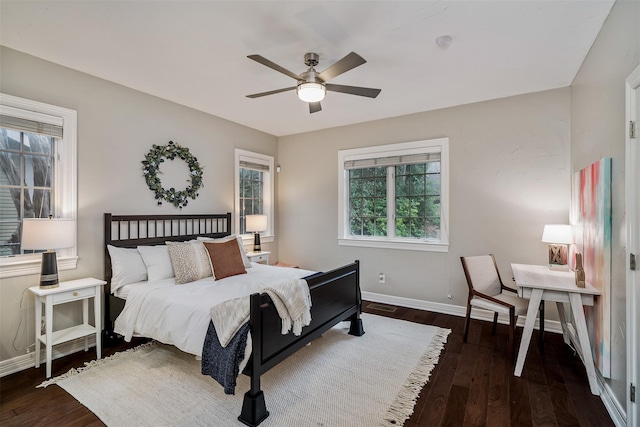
{"points": [[179, 314]]}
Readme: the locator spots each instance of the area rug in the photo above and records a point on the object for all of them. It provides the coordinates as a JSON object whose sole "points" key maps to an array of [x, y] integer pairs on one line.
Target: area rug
{"points": [[337, 380]]}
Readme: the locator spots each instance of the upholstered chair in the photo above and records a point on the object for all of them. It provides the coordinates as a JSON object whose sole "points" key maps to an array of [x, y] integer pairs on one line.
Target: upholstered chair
{"points": [[486, 291]]}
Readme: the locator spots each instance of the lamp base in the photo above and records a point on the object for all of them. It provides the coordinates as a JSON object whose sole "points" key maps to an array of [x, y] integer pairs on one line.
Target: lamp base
{"points": [[49, 271], [558, 257], [256, 242]]}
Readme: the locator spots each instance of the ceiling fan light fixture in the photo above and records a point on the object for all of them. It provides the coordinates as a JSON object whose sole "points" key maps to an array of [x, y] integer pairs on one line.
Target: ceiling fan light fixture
{"points": [[311, 92]]}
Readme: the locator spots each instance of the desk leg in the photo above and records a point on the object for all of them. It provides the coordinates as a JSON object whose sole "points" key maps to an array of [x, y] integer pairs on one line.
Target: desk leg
{"points": [[49, 313], [563, 322], [583, 336], [534, 303], [38, 329]]}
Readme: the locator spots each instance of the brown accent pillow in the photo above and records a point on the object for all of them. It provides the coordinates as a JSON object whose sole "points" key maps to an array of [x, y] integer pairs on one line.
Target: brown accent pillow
{"points": [[226, 259]]}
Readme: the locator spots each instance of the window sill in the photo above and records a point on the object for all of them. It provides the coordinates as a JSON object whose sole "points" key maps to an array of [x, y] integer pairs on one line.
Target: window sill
{"points": [[395, 244], [14, 267]]}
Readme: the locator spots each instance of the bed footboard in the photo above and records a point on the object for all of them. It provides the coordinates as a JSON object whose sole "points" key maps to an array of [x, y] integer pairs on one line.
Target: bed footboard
{"points": [[335, 296]]}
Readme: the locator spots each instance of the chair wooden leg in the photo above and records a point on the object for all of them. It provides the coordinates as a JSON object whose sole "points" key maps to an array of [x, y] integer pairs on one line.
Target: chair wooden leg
{"points": [[466, 323], [512, 332], [495, 323]]}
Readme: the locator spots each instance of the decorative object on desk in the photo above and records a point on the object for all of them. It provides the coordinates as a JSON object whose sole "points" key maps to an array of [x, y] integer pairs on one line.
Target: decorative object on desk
{"points": [[591, 218], [256, 223], [580, 276], [151, 168], [49, 234], [559, 236]]}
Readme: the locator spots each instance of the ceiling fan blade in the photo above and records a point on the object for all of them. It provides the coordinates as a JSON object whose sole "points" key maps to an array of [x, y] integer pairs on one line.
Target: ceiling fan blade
{"points": [[314, 107], [274, 66], [347, 63], [271, 92], [354, 90]]}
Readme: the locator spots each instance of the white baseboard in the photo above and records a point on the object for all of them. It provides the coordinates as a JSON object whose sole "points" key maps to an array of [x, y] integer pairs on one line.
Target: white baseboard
{"points": [[454, 310], [27, 361]]}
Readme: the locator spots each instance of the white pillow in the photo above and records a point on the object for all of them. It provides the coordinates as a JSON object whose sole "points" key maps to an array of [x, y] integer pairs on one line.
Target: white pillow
{"points": [[245, 259], [158, 262], [127, 267]]}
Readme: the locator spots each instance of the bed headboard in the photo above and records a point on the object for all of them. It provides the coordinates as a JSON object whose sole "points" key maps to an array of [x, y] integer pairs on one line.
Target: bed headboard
{"points": [[129, 231]]}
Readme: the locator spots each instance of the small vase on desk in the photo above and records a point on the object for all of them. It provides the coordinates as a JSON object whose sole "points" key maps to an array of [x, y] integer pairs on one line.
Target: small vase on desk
{"points": [[580, 276]]}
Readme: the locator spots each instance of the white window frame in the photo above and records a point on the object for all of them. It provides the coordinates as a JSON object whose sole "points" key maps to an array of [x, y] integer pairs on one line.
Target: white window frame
{"points": [[64, 180], [268, 193], [438, 145]]}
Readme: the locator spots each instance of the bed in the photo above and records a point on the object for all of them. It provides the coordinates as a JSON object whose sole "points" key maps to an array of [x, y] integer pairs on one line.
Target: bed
{"points": [[335, 295]]}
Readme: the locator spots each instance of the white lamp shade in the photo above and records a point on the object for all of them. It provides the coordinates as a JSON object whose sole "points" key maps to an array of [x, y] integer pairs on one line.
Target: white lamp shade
{"points": [[256, 223], [311, 92], [46, 233], [558, 233]]}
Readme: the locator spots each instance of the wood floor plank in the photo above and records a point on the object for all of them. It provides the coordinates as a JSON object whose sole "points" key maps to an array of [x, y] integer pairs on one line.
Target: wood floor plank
{"points": [[498, 413], [542, 412], [473, 384], [562, 404], [476, 409]]}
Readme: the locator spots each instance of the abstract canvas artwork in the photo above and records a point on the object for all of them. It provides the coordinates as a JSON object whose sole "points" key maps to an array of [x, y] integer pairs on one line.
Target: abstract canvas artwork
{"points": [[591, 218]]}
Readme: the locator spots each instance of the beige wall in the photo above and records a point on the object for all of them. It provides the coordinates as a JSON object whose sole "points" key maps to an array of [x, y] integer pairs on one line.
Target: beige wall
{"points": [[598, 130], [509, 162], [116, 128]]}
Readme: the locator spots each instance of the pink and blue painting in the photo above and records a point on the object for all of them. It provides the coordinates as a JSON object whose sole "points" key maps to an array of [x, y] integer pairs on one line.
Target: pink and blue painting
{"points": [[591, 218]]}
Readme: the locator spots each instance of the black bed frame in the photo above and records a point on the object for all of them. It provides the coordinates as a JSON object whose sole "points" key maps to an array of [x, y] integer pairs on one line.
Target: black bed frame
{"points": [[335, 296]]}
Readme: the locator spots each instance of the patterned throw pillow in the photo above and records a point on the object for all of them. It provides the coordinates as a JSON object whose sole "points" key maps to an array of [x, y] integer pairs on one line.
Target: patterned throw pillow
{"points": [[226, 259], [190, 261]]}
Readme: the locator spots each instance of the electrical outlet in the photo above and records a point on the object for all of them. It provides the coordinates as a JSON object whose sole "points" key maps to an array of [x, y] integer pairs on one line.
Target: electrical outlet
{"points": [[382, 279]]}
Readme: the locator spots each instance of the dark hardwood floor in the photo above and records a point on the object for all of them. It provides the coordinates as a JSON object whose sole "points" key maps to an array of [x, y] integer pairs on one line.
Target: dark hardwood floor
{"points": [[472, 385]]}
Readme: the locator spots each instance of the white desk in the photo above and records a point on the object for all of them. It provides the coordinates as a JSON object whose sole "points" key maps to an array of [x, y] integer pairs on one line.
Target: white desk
{"points": [[74, 290], [540, 283]]}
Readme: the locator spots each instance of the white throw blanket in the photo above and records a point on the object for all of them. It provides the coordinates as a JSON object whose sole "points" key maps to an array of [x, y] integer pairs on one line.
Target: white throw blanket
{"points": [[291, 298]]}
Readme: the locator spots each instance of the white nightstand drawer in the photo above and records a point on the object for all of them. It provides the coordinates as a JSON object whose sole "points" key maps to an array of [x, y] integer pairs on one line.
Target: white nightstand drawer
{"points": [[260, 258], [73, 295]]}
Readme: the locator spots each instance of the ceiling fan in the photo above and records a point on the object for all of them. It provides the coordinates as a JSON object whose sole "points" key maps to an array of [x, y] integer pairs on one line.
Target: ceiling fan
{"points": [[313, 85]]}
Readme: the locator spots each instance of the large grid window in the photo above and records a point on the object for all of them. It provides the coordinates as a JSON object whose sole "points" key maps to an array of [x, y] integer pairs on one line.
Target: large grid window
{"points": [[251, 193], [417, 200], [38, 177], [254, 183], [395, 196], [26, 183], [368, 201]]}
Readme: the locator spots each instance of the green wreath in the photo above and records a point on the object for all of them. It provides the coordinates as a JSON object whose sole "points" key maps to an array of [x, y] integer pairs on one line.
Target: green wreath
{"points": [[151, 167]]}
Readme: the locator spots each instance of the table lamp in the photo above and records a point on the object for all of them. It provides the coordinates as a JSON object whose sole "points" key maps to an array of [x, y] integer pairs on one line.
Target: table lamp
{"points": [[49, 234], [256, 223], [558, 236]]}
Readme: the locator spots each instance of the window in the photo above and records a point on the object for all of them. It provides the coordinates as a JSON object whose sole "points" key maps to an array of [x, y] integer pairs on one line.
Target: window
{"points": [[37, 177], [254, 190], [395, 196]]}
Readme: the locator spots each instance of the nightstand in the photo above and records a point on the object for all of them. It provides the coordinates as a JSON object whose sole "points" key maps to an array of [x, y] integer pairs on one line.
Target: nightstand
{"points": [[260, 257], [74, 290]]}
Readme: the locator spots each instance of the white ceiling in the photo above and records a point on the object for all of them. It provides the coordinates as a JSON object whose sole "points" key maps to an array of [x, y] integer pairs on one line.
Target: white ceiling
{"points": [[195, 52]]}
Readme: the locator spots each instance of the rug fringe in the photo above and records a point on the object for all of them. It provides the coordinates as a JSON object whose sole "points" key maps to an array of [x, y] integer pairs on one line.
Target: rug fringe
{"points": [[92, 364], [402, 407]]}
